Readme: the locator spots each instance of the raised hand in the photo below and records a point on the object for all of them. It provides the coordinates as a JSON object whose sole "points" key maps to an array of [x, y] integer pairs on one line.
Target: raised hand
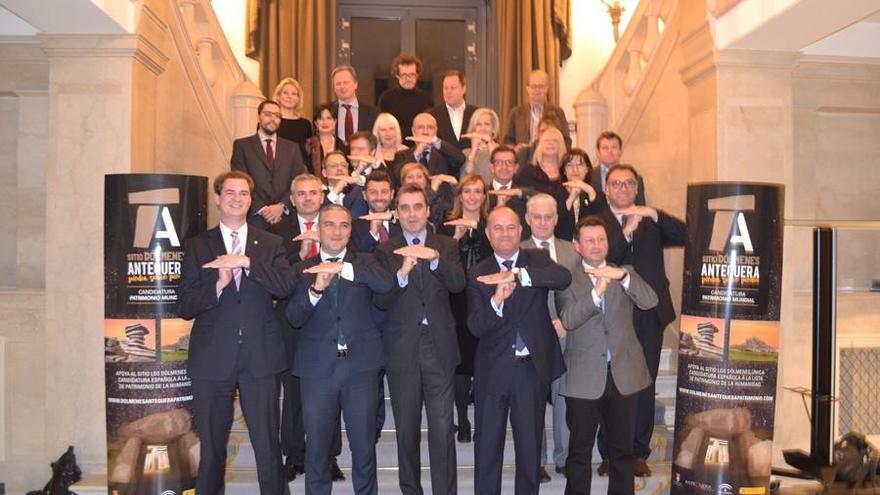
{"points": [[497, 278], [229, 261], [418, 251], [503, 291], [610, 272]]}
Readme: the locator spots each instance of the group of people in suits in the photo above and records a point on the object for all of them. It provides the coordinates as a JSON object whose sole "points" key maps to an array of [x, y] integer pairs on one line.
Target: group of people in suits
{"points": [[452, 270]]}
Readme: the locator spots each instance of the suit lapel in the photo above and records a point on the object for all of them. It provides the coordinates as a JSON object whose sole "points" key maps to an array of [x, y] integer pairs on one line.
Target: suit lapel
{"points": [[215, 242]]}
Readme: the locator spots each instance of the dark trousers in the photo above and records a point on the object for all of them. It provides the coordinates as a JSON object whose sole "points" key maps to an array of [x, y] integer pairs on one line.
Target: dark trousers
{"points": [[520, 395], [213, 413], [293, 434], [430, 384], [356, 393], [462, 398], [616, 413], [650, 335]]}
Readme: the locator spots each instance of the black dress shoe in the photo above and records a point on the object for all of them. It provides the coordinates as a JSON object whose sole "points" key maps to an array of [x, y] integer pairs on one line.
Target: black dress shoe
{"points": [[289, 472], [560, 470], [464, 433], [543, 476], [335, 472]]}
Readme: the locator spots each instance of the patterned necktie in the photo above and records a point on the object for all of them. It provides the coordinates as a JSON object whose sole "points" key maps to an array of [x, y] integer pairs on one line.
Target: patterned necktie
{"points": [[349, 121], [313, 251], [520, 343], [545, 245], [383, 232], [270, 155], [426, 156], [236, 249]]}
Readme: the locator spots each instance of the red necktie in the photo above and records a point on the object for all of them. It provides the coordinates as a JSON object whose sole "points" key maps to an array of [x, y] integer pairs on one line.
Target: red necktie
{"points": [[313, 251], [349, 122], [270, 154], [383, 232]]}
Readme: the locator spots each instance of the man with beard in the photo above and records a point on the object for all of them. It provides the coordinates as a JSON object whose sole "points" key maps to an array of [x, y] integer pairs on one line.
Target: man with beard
{"points": [[272, 162]]}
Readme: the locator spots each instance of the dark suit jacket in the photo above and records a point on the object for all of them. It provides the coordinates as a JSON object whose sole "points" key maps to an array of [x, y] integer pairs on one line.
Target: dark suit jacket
{"points": [[645, 254], [366, 115], [270, 186], [363, 241], [446, 160], [316, 353], [592, 332], [596, 182], [519, 120], [516, 204], [214, 349], [525, 311], [444, 125], [426, 297]]}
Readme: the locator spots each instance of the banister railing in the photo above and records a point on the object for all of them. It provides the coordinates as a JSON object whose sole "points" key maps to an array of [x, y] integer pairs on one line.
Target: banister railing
{"points": [[607, 102], [225, 95]]}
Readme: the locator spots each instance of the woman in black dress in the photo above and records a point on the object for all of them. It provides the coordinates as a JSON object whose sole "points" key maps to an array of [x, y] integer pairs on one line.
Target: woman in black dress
{"points": [[583, 199], [466, 223], [293, 126], [544, 174], [324, 141]]}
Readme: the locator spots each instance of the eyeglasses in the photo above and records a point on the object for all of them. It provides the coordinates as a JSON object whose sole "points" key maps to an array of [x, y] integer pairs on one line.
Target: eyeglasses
{"points": [[408, 75], [575, 163], [620, 184], [267, 113]]}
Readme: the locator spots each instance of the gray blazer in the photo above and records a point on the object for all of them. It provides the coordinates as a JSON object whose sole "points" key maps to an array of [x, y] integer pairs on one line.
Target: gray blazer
{"points": [[592, 333], [565, 256]]}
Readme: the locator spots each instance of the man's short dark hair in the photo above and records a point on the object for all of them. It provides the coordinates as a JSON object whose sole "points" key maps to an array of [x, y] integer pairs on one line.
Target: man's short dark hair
{"points": [[502, 148], [343, 68], [371, 139], [266, 102], [620, 168], [609, 135], [378, 175], [455, 73], [411, 189], [589, 221], [332, 207], [232, 174], [405, 59]]}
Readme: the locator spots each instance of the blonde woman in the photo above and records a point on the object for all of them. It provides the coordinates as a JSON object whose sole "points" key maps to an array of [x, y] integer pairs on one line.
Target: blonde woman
{"points": [[387, 132], [293, 126], [482, 132], [545, 173]]}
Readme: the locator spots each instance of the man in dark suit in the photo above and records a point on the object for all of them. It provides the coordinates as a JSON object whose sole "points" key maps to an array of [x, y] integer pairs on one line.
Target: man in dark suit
{"points": [[342, 188], [230, 275], [503, 191], [272, 162], [604, 360], [518, 355], [609, 147], [420, 341], [306, 196], [379, 225], [522, 124], [637, 236], [340, 351], [439, 156], [353, 114], [455, 114]]}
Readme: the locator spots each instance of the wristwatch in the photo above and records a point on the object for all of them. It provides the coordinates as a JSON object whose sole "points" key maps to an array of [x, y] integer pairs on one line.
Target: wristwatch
{"points": [[516, 271], [315, 292]]}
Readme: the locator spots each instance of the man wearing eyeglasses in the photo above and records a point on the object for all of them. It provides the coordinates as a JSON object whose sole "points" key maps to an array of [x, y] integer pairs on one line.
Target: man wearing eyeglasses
{"points": [[609, 146], [637, 235], [406, 100], [272, 162], [503, 191]]}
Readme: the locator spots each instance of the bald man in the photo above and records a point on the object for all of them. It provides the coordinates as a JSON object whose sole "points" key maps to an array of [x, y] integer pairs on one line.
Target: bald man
{"points": [[522, 123], [441, 157]]}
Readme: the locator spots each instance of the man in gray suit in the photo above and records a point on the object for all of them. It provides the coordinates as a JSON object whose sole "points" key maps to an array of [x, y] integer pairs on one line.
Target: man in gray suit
{"points": [[272, 162], [541, 216], [606, 366]]}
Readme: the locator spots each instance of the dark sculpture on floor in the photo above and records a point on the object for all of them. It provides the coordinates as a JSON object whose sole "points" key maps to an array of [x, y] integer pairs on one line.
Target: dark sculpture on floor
{"points": [[65, 472]]}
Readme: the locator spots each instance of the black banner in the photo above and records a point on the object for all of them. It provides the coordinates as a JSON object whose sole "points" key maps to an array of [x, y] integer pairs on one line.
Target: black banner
{"points": [[729, 341], [152, 445]]}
